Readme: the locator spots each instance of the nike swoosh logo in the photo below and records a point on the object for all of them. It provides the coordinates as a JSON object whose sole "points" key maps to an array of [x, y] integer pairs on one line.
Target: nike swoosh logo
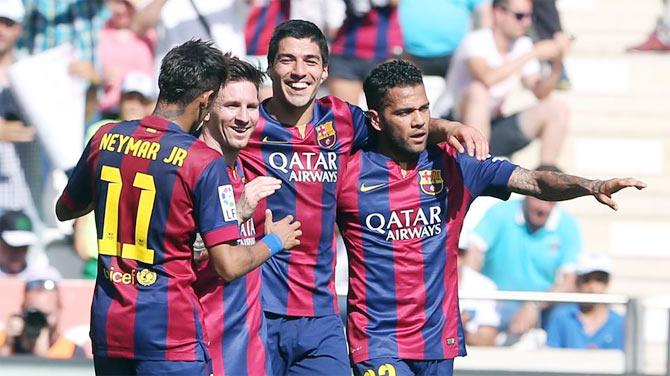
{"points": [[368, 188], [268, 141]]}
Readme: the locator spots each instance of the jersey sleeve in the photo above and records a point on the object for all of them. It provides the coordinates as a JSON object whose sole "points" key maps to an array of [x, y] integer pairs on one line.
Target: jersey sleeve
{"points": [[78, 192], [485, 178], [360, 124], [216, 214]]}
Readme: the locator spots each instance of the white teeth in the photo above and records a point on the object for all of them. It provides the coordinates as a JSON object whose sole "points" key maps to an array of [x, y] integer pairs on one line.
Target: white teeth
{"points": [[298, 85]]}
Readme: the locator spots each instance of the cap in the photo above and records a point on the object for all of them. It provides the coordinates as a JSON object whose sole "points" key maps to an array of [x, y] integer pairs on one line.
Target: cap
{"points": [[16, 229], [139, 82], [12, 9], [593, 262]]}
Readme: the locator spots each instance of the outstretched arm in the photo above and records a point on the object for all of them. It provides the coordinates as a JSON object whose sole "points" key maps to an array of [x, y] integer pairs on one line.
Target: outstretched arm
{"points": [[555, 186]]}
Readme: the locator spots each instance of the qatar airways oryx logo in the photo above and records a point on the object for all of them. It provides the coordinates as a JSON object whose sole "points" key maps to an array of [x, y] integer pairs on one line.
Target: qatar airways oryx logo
{"points": [[406, 224], [306, 166]]}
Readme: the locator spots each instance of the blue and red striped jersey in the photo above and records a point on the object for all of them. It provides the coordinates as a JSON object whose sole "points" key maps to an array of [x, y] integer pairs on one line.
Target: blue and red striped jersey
{"points": [[152, 186], [401, 230], [375, 34], [263, 17], [233, 316], [301, 282]]}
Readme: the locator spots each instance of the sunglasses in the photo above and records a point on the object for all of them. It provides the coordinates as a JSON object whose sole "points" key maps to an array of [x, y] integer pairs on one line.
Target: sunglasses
{"points": [[519, 15]]}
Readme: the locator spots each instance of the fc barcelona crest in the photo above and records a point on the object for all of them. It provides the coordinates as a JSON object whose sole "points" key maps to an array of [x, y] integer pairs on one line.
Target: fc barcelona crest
{"points": [[325, 135], [431, 181]]}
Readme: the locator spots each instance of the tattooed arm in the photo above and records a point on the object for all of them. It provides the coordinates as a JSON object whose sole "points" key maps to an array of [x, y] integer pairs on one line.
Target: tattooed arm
{"points": [[555, 186]]}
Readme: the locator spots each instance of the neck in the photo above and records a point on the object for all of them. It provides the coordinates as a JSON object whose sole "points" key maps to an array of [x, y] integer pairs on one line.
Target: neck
{"points": [[184, 117], [502, 42], [395, 153], [289, 115], [216, 142]]}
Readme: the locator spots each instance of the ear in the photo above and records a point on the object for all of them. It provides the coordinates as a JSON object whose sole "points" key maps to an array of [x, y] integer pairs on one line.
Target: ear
{"points": [[375, 120], [324, 75], [205, 99]]}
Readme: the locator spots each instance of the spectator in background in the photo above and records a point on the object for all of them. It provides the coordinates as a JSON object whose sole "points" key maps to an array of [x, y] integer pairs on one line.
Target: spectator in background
{"points": [[138, 98], [433, 31], [587, 325], [51, 23], [121, 51], [14, 191], [263, 17], [328, 15], [480, 317], [481, 77], [369, 35], [34, 330], [526, 245], [177, 21], [659, 39], [16, 237], [546, 25]]}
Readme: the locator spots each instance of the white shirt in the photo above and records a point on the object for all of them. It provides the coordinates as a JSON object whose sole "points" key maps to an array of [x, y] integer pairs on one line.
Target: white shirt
{"points": [[482, 312], [179, 22], [480, 43]]}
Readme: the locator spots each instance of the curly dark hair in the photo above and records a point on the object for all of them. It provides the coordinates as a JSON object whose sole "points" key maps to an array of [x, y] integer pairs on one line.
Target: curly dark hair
{"points": [[240, 70], [394, 73], [189, 70]]}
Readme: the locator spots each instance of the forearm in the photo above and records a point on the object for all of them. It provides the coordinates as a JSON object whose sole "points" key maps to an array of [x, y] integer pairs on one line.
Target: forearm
{"points": [[545, 86], [493, 76], [551, 186], [147, 18], [233, 261]]}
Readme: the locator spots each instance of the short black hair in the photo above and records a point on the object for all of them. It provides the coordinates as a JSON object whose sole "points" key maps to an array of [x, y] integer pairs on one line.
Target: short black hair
{"points": [[298, 29], [189, 70], [394, 73], [240, 70]]}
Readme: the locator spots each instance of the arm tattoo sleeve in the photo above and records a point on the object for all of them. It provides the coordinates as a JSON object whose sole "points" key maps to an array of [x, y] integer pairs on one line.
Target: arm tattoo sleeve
{"points": [[551, 186]]}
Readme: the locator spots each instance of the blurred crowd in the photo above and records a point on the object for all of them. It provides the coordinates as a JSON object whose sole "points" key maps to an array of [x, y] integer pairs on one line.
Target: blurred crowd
{"points": [[478, 51]]}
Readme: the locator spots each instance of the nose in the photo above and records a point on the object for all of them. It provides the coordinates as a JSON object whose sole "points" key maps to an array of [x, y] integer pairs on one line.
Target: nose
{"points": [[299, 68], [242, 116], [418, 120]]}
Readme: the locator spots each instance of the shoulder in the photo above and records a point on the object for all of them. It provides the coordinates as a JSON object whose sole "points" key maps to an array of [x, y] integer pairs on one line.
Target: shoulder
{"points": [[564, 311], [201, 156], [615, 318], [478, 37]]}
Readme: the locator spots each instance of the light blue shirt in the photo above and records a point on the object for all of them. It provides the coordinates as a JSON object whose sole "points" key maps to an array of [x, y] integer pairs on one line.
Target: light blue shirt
{"points": [[565, 330], [515, 258], [433, 28]]}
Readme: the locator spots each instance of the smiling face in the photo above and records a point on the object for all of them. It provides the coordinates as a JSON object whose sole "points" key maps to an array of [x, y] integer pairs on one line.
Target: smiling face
{"points": [[234, 115], [403, 122], [297, 72]]}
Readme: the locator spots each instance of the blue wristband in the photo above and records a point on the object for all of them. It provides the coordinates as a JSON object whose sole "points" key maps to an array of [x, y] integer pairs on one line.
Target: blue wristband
{"points": [[273, 242]]}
